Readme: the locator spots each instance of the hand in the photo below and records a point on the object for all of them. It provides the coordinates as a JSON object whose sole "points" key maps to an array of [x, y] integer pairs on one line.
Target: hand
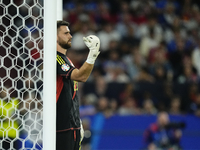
{"points": [[93, 43], [81, 131], [178, 133]]}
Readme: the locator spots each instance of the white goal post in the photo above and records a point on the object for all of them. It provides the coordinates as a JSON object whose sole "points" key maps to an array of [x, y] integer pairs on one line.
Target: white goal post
{"points": [[49, 84]]}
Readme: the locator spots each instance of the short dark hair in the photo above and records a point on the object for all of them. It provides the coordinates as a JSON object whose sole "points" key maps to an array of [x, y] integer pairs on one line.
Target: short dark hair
{"points": [[62, 23]]}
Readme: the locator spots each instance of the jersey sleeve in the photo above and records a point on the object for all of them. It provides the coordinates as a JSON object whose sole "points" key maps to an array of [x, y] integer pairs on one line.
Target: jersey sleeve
{"points": [[64, 68]]}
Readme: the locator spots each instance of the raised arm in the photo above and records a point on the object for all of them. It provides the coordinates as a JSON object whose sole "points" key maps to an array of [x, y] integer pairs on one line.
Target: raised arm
{"points": [[82, 74]]}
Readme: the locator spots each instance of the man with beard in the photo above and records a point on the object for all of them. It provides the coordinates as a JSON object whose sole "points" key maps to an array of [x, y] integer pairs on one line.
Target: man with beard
{"points": [[69, 131]]}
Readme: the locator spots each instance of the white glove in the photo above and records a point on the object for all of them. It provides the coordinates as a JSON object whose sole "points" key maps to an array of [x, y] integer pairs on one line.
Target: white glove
{"points": [[82, 131], [93, 43]]}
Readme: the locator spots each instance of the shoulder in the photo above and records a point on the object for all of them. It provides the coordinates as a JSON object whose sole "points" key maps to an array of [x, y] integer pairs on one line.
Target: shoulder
{"points": [[60, 59]]}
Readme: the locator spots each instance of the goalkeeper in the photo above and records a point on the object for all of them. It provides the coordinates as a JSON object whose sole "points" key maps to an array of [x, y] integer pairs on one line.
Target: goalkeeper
{"points": [[69, 131]]}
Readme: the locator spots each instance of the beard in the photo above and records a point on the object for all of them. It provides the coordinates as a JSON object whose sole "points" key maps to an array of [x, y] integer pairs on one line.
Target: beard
{"points": [[64, 44]]}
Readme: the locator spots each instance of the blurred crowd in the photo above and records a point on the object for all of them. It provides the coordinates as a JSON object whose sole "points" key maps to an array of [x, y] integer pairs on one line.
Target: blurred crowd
{"points": [[150, 55], [149, 60]]}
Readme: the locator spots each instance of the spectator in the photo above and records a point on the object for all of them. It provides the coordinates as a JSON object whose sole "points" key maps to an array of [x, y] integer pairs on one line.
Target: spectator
{"points": [[161, 135], [96, 73], [87, 106], [129, 107], [188, 75], [195, 106], [160, 74], [177, 56], [141, 10], [188, 15], [130, 39], [101, 86], [128, 92], [102, 13], [113, 106], [106, 35], [77, 42], [98, 87], [177, 25], [148, 107], [196, 57], [125, 23], [145, 76], [169, 14], [115, 69], [168, 93], [175, 106], [134, 62], [151, 29], [103, 106], [147, 43], [159, 65]]}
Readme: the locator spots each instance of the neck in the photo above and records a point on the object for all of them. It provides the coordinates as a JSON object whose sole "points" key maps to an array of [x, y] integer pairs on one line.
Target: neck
{"points": [[61, 50]]}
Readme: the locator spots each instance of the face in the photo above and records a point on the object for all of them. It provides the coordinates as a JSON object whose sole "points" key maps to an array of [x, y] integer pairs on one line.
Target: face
{"points": [[64, 37], [163, 119]]}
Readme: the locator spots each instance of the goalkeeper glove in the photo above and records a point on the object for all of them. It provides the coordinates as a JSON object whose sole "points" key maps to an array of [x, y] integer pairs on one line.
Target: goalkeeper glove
{"points": [[82, 131], [93, 43]]}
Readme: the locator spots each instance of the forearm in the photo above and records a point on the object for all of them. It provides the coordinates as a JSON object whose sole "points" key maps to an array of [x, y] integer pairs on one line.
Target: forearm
{"points": [[82, 73]]}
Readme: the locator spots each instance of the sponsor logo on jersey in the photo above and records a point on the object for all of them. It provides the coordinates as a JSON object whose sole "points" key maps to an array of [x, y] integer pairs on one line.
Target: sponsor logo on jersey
{"points": [[65, 67]]}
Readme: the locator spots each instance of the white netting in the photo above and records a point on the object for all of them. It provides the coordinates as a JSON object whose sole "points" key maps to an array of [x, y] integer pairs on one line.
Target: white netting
{"points": [[21, 69]]}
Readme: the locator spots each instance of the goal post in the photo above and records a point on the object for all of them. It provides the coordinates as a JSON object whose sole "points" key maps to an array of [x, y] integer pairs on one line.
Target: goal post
{"points": [[59, 9], [49, 82]]}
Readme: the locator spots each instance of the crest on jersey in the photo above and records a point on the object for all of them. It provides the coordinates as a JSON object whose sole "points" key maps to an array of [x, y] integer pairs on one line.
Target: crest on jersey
{"points": [[65, 67]]}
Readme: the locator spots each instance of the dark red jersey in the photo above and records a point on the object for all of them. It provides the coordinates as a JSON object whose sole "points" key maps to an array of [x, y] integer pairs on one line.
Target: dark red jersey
{"points": [[68, 117]]}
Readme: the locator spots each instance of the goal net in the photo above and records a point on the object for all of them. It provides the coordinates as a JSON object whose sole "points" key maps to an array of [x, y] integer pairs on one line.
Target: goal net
{"points": [[21, 74]]}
